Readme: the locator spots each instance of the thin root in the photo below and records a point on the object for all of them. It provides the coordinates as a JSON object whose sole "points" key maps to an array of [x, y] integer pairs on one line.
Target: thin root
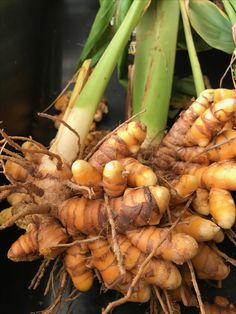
{"points": [[28, 209], [48, 116], [41, 150], [230, 237], [196, 288], [50, 282], [58, 298], [228, 259], [21, 162], [63, 91], [159, 298], [115, 244], [73, 296], [183, 296], [39, 275], [80, 188], [79, 242], [124, 299], [168, 302], [95, 148]]}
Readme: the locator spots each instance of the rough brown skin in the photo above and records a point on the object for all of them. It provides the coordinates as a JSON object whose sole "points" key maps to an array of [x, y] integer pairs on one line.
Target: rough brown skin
{"points": [[137, 207], [200, 122], [178, 247], [209, 265], [40, 239], [126, 141], [104, 260], [221, 305], [185, 295], [51, 184], [158, 272]]}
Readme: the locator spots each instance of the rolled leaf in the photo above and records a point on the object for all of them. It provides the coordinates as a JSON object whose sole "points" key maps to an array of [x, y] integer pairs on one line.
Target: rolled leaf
{"points": [[99, 36], [122, 7]]}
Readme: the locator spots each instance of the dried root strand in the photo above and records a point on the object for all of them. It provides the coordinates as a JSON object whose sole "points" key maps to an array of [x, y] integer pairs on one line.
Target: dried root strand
{"points": [[184, 294], [115, 244], [228, 259], [16, 164], [123, 300], [59, 294], [158, 272], [159, 298], [31, 149], [80, 189], [27, 209], [39, 275], [196, 288], [48, 116], [50, 282], [137, 207]]}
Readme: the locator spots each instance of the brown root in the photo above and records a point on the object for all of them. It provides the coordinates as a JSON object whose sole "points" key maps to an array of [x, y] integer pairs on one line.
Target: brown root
{"points": [[45, 115], [196, 288], [81, 189], [39, 275], [27, 209], [228, 259], [159, 298], [21, 162], [124, 299], [59, 294], [115, 244]]}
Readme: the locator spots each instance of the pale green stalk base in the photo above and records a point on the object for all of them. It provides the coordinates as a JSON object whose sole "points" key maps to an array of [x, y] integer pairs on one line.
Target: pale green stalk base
{"points": [[86, 104], [67, 144]]}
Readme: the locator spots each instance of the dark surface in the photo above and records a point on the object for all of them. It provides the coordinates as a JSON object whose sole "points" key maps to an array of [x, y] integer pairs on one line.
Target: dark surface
{"points": [[39, 49]]}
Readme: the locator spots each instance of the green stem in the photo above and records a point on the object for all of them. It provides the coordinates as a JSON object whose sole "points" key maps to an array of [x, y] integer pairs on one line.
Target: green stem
{"points": [[154, 65], [195, 65], [82, 113]]}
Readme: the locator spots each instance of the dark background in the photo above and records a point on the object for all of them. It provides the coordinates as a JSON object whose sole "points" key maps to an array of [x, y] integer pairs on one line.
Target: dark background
{"points": [[39, 49]]}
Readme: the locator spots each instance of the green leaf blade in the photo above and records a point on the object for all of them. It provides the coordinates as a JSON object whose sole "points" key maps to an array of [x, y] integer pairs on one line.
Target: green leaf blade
{"points": [[211, 24], [98, 38]]}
